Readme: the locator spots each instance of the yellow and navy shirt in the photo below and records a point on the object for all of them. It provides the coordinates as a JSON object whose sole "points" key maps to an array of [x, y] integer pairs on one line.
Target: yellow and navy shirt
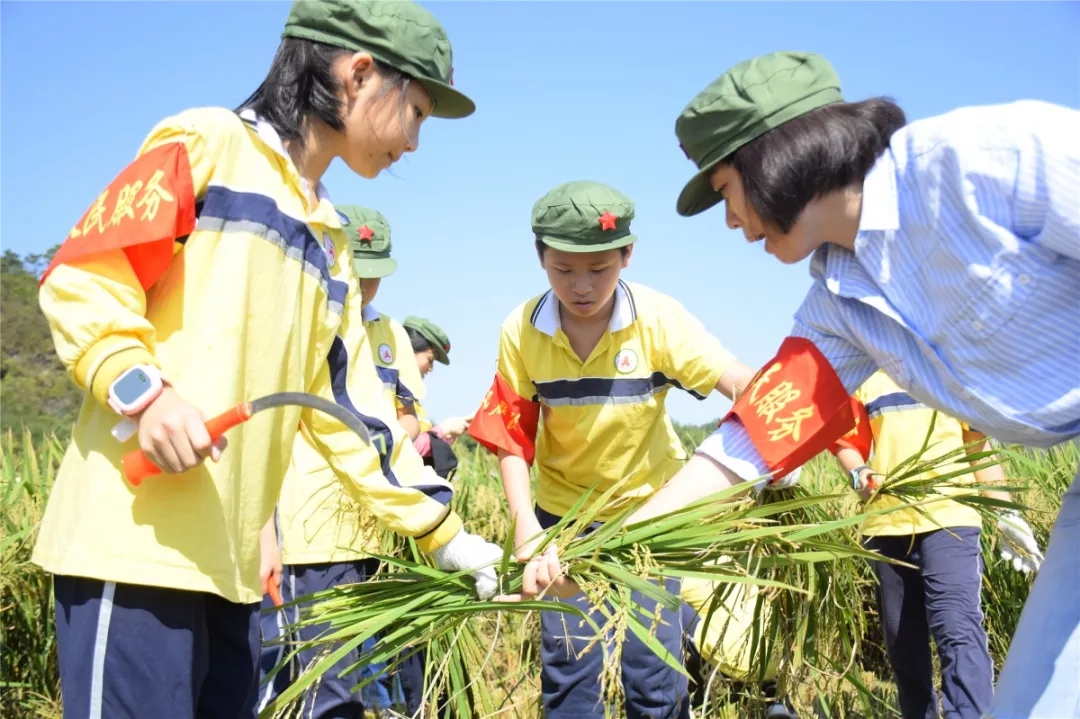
{"points": [[900, 424], [318, 521], [394, 358], [253, 304], [604, 421]]}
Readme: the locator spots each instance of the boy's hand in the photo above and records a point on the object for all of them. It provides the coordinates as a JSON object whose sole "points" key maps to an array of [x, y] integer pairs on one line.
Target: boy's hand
{"points": [[172, 434], [270, 566], [868, 484], [544, 576]]}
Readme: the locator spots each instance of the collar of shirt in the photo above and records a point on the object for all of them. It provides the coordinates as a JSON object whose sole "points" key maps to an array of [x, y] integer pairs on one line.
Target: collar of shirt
{"points": [[863, 275], [270, 137], [370, 314], [880, 202], [546, 315]]}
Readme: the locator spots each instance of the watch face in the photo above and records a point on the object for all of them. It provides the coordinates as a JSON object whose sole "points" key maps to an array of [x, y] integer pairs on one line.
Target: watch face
{"points": [[133, 385]]}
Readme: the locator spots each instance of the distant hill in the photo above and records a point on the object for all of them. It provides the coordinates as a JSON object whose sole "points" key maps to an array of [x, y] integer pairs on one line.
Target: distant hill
{"points": [[35, 391]]}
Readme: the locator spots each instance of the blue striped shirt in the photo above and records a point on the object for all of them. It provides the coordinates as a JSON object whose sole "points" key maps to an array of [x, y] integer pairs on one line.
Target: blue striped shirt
{"points": [[964, 285]]}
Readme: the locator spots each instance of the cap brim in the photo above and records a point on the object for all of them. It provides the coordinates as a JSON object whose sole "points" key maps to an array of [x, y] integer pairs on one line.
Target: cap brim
{"points": [[374, 267], [560, 244], [449, 103], [699, 195], [440, 354]]}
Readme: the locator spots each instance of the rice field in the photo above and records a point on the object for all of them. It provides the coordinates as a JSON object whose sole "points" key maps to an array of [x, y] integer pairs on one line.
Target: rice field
{"points": [[842, 674]]}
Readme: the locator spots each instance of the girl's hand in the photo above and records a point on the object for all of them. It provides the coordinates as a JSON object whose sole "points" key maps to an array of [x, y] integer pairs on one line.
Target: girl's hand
{"points": [[172, 434]]}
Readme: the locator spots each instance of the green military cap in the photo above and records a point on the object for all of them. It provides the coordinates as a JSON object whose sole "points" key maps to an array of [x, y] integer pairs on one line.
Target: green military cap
{"points": [[438, 340], [369, 240], [583, 217], [744, 103], [400, 34]]}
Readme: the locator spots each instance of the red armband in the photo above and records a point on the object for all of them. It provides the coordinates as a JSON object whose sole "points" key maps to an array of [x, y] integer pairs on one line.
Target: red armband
{"points": [[506, 421], [143, 211], [795, 407], [861, 436]]}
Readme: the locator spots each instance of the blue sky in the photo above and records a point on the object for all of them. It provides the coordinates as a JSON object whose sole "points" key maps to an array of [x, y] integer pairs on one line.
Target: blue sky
{"points": [[565, 91]]}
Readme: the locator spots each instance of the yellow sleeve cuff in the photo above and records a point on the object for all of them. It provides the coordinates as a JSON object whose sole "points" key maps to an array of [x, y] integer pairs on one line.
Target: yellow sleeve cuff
{"points": [[442, 534], [107, 360]]}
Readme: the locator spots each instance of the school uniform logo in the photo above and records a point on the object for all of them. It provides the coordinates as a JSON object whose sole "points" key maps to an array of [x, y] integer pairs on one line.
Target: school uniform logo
{"points": [[328, 247], [626, 361], [386, 354]]}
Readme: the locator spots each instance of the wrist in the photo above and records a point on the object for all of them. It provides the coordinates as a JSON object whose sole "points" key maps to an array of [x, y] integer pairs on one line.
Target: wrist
{"points": [[99, 369], [859, 474]]}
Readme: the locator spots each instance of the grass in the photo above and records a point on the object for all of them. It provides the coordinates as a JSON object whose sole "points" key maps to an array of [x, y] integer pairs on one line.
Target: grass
{"points": [[29, 676], [497, 650]]}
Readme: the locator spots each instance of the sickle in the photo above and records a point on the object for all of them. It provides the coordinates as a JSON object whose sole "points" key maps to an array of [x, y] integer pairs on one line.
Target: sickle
{"points": [[138, 467]]}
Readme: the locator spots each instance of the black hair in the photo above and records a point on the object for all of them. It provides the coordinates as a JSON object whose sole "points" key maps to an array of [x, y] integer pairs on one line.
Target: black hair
{"points": [[419, 342], [827, 149], [540, 247], [301, 86]]}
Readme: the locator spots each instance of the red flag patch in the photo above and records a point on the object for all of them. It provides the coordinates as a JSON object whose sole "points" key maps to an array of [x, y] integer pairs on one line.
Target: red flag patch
{"points": [[795, 407], [143, 211], [506, 421]]}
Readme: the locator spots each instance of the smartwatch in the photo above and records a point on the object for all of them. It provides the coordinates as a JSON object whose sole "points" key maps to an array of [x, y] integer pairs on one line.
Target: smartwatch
{"points": [[135, 389], [855, 476]]}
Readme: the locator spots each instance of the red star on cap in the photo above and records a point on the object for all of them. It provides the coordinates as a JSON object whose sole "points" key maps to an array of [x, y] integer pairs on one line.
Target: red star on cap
{"points": [[607, 221], [365, 233]]}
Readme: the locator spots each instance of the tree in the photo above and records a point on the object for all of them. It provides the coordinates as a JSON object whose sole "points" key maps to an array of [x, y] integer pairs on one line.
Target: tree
{"points": [[35, 391]]}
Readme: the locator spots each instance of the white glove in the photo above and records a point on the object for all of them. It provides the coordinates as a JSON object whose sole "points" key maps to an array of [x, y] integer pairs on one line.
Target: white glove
{"points": [[1019, 545], [454, 427], [474, 553], [788, 480]]}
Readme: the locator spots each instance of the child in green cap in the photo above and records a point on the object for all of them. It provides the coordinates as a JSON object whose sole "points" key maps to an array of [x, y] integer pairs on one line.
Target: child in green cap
{"points": [[209, 274], [946, 252], [596, 356], [323, 538], [430, 345]]}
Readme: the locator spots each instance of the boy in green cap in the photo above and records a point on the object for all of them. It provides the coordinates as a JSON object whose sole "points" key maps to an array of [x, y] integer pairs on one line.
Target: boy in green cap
{"points": [[596, 356], [945, 252], [157, 587], [430, 345], [323, 537]]}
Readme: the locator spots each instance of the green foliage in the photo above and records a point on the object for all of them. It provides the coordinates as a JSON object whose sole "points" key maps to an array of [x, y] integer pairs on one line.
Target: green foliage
{"points": [[29, 676], [37, 393], [691, 435]]}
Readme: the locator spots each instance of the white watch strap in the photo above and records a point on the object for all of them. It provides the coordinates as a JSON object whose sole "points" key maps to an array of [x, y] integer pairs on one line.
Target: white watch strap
{"points": [[125, 429]]}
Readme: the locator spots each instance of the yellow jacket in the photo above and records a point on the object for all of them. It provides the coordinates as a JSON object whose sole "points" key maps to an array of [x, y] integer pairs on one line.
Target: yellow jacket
{"points": [[253, 303]]}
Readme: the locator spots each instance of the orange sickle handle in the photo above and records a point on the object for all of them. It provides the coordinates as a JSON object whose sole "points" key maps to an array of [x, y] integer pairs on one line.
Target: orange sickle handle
{"points": [[274, 592], [137, 466]]}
